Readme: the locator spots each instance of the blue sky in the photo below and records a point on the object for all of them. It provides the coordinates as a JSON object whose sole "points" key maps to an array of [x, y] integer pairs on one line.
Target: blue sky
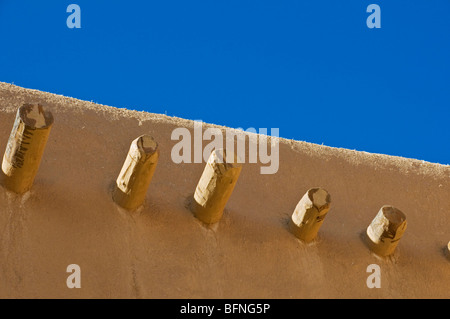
{"points": [[313, 69]]}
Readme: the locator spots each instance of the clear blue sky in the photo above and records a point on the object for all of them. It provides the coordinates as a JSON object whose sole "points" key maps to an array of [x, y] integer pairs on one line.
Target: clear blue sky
{"points": [[313, 68]]}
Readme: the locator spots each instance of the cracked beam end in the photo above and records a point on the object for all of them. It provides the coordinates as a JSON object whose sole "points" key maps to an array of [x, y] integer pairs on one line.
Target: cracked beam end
{"points": [[25, 147], [137, 172], [385, 231], [310, 213], [216, 185]]}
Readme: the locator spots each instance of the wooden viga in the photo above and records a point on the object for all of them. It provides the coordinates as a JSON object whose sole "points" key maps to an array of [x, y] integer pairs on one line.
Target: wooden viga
{"points": [[310, 213], [386, 230], [136, 174], [25, 147], [216, 185]]}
